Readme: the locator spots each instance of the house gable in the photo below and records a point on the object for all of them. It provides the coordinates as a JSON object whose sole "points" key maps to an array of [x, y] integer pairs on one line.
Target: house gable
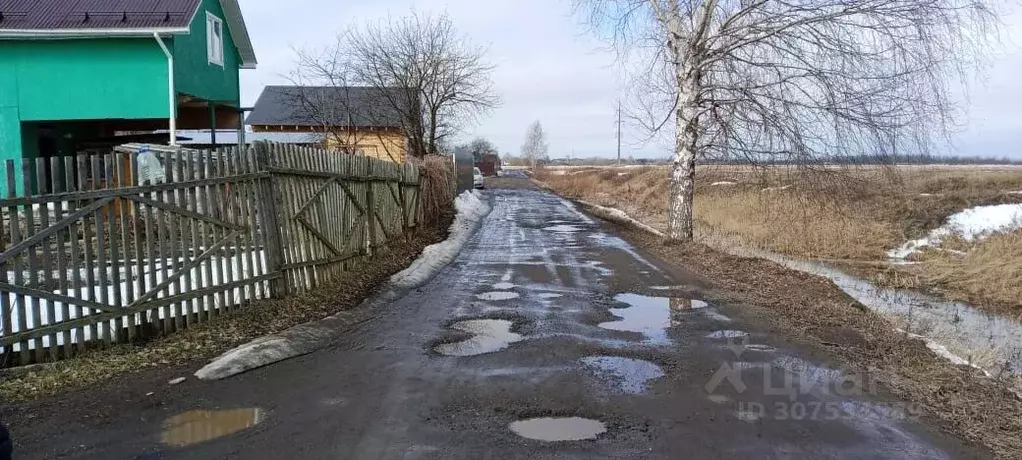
{"points": [[194, 74]]}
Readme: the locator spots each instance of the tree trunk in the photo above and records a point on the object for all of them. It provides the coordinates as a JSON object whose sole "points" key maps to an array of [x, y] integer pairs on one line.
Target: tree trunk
{"points": [[682, 178]]}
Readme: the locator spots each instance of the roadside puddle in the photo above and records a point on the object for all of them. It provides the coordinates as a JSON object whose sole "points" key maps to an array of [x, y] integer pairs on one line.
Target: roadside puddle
{"points": [[490, 335], [550, 295], [650, 316], [503, 286], [630, 375], [199, 426], [559, 429], [498, 295]]}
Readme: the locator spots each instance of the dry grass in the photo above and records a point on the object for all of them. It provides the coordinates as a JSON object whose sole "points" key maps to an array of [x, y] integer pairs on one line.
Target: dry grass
{"points": [[210, 339], [437, 191], [850, 216]]}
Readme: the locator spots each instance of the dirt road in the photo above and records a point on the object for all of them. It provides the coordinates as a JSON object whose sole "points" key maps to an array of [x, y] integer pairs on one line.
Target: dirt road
{"points": [[545, 314]]}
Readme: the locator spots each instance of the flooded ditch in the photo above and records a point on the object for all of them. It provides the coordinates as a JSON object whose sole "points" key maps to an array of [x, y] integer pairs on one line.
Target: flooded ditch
{"points": [[957, 331]]}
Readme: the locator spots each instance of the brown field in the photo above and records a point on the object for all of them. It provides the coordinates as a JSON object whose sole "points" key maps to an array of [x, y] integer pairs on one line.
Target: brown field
{"points": [[851, 217]]}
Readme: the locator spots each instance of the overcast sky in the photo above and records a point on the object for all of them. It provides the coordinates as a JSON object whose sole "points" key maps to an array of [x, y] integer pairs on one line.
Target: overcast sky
{"points": [[550, 69]]}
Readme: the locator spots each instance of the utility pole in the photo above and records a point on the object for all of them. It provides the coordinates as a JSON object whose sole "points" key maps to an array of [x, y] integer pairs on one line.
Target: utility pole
{"points": [[619, 132]]}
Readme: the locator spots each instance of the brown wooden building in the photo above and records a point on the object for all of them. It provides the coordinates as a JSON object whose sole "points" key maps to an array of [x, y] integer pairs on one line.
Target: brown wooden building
{"points": [[352, 120]]}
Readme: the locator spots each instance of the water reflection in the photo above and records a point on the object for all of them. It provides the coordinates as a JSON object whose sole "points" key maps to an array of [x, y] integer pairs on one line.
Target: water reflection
{"points": [[204, 425]]}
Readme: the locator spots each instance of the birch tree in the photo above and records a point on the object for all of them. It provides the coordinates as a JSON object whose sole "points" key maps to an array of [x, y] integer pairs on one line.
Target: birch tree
{"points": [[535, 147], [793, 80]]}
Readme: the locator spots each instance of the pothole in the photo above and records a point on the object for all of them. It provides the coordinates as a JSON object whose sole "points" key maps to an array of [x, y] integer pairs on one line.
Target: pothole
{"points": [[552, 429], [498, 295], [562, 228], [490, 335], [199, 426], [650, 316], [630, 375], [727, 334], [503, 286], [757, 347], [717, 316], [719, 399]]}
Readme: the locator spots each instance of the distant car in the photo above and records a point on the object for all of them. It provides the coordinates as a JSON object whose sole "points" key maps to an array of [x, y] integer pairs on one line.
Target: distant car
{"points": [[477, 178]]}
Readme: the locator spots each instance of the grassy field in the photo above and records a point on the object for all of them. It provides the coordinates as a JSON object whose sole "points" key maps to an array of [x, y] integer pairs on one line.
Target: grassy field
{"points": [[850, 217]]}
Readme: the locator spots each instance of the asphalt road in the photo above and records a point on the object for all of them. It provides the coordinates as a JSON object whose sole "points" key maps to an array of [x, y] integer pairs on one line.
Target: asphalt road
{"points": [[545, 314]]}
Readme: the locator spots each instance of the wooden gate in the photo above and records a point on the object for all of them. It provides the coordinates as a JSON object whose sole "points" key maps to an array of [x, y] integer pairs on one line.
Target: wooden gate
{"points": [[335, 209], [95, 257]]}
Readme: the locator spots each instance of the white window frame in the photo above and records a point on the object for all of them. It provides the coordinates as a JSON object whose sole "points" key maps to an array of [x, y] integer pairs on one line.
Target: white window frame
{"points": [[214, 51]]}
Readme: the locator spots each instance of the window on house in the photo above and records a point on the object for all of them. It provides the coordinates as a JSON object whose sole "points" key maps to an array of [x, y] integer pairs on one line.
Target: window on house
{"points": [[215, 39]]}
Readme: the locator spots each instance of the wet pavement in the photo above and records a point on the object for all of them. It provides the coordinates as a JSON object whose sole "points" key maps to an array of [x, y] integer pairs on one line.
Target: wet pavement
{"points": [[549, 337]]}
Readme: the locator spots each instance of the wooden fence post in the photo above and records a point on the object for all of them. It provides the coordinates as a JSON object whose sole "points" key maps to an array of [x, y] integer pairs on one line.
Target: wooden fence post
{"points": [[268, 221], [371, 207]]}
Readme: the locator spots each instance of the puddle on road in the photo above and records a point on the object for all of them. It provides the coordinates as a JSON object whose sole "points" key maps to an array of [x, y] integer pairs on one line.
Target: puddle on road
{"points": [[563, 228], [503, 286], [727, 334], [550, 295], [650, 316], [498, 295], [490, 335], [719, 399], [630, 375], [199, 426], [559, 429], [717, 316]]}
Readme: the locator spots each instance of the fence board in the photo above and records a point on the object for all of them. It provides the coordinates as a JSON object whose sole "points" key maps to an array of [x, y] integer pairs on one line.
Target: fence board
{"points": [[95, 256]]}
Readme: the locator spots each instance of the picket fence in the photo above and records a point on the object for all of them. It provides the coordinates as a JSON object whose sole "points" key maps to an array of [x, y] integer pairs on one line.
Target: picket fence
{"points": [[93, 256]]}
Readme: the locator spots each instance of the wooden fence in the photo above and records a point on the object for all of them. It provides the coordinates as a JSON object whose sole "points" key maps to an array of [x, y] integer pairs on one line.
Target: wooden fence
{"points": [[92, 256]]}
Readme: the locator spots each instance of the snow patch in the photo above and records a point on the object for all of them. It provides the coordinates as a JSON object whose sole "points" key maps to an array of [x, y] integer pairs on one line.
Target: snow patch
{"points": [[774, 189], [1017, 192], [471, 210], [617, 215], [970, 224], [723, 182]]}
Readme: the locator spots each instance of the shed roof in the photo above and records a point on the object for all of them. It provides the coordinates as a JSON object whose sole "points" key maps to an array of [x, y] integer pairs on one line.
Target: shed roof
{"points": [[356, 106], [27, 19]]}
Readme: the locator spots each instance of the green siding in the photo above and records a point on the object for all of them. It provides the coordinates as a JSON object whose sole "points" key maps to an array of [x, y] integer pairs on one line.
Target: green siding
{"points": [[10, 143], [193, 74], [87, 79]]}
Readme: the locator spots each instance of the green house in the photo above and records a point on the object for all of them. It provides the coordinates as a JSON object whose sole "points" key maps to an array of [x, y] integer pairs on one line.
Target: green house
{"points": [[84, 75]]}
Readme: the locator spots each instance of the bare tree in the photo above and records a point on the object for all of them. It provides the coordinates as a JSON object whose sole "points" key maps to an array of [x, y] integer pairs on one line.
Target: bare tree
{"points": [[480, 146], [798, 80], [535, 147], [449, 83]]}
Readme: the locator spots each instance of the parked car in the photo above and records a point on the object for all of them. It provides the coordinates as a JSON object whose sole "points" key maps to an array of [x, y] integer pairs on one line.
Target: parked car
{"points": [[477, 178]]}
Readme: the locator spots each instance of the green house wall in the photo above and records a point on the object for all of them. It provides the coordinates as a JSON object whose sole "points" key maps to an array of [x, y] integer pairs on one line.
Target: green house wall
{"points": [[105, 78], [194, 75]]}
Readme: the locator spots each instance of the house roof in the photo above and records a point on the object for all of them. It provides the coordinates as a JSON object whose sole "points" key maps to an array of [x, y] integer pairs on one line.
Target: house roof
{"points": [[230, 137], [54, 19], [328, 105]]}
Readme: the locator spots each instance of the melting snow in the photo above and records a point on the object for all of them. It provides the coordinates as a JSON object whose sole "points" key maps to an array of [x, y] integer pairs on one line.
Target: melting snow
{"points": [[723, 182], [970, 224], [471, 210]]}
